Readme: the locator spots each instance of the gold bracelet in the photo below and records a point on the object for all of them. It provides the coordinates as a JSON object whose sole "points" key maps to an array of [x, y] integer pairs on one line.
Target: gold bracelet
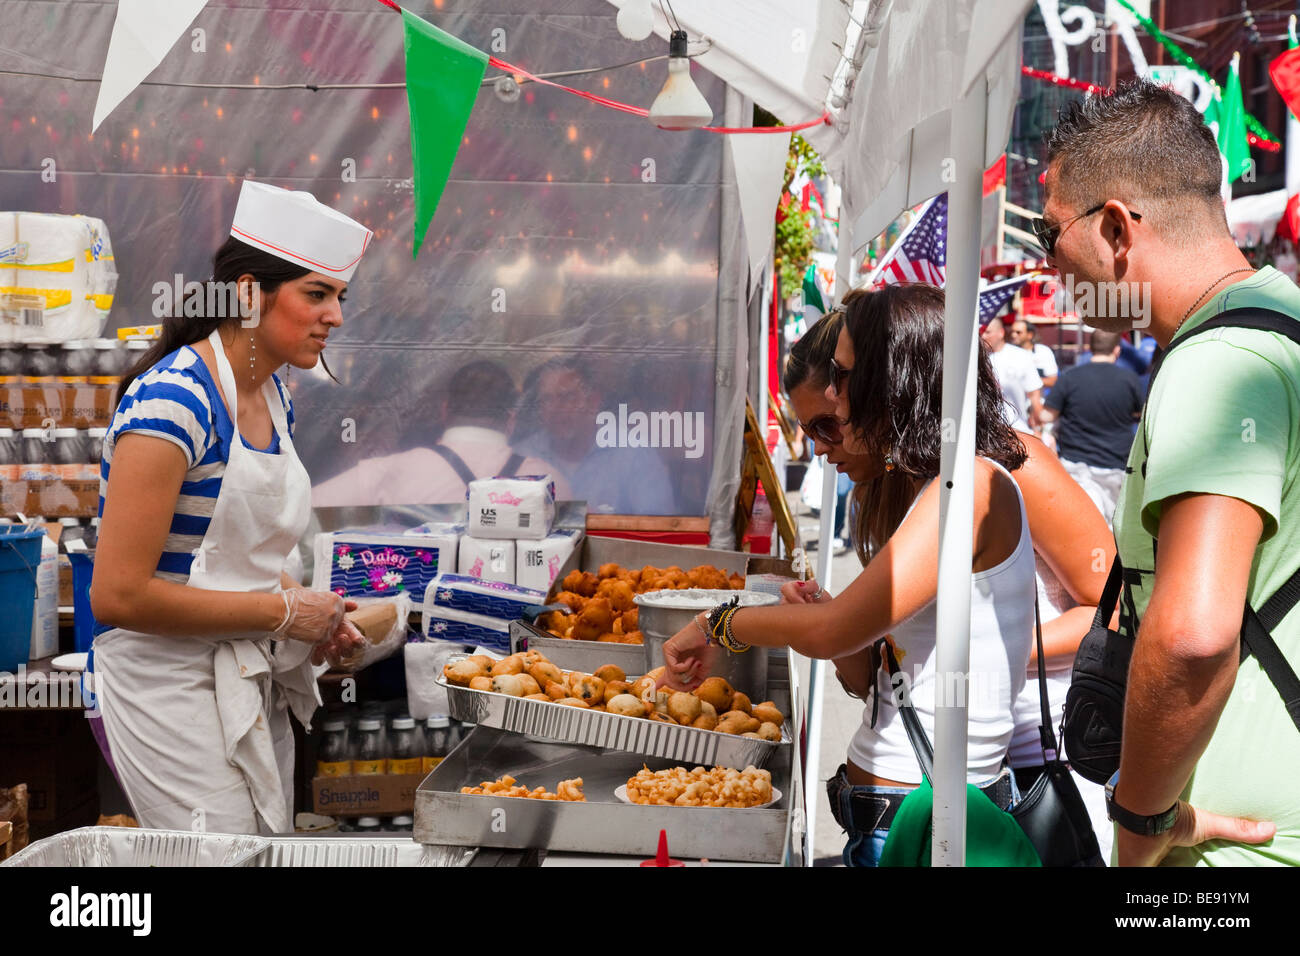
{"points": [[728, 637]]}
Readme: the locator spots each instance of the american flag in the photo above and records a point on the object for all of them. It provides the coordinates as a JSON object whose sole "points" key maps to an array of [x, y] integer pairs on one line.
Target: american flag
{"points": [[920, 253], [997, 295]]}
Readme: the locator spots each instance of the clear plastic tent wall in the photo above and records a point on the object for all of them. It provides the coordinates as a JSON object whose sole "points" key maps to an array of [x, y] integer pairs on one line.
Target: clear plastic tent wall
{"points": [[575, 246]]}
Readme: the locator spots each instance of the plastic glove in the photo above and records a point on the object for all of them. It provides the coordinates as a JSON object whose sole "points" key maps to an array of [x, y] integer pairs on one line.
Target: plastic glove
{"points": [[343, 649], [311, 616]]}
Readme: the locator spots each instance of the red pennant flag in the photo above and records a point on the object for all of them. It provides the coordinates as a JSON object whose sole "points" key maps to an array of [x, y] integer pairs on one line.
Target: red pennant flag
{"points": [[995, 175], [1285, 72], [1288, 227]]}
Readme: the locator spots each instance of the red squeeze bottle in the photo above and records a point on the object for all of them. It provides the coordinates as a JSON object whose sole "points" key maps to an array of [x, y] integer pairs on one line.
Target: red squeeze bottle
{"points": [[661, 857]]}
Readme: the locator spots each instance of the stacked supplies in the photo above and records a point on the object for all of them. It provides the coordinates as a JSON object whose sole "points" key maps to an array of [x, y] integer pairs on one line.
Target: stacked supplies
{"points": [[467, 610]]}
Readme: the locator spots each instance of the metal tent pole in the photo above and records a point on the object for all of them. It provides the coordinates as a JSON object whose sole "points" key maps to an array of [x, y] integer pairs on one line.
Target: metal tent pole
{"points": [[956, 474]]}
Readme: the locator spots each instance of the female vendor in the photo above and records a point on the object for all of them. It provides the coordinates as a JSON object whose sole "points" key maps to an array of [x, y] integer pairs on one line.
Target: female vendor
{"points": [[885, 379], [205, 643]]}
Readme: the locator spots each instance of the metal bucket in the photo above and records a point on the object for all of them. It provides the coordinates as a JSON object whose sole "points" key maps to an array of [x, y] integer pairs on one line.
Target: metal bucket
{"points": [[664, 613]]}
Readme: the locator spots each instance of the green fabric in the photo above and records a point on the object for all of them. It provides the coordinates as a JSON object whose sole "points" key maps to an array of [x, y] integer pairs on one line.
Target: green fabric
{"points": [[1224, 419], [443, 76], [812, 296], [1232, 127], [993, 837]]}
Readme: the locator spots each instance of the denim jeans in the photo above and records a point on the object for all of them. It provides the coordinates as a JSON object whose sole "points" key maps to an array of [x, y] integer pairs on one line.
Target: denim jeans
{"points": [[864, 846]]}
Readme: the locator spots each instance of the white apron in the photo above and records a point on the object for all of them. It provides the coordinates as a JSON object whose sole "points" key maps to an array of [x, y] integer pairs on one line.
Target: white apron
{"points": [[198, 726]]}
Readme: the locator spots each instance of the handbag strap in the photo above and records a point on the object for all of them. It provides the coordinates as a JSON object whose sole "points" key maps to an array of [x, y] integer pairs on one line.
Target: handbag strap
{"points": [[916, 734], [1045, 735], [1109, 595]]}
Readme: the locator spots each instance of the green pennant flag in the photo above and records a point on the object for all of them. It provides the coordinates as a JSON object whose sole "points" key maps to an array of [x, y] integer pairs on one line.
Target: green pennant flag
{"points": [[1232, 126], [443, 76]]}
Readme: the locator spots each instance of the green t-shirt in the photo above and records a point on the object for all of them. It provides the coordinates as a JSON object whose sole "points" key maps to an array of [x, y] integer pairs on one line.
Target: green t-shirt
{"points": [[1223, 418]]}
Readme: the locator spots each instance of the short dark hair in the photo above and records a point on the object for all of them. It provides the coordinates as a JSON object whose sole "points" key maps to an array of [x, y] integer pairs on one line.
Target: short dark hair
{"points": [[482, 392], [1102, 342], [809, 362], [1142, 142]]}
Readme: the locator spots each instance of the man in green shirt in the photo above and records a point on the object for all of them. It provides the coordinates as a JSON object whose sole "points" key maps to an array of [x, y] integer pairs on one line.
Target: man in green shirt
{"points": [[1133, 199]]}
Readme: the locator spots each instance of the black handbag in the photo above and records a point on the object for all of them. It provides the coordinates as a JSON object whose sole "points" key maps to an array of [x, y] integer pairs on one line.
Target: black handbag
{"points": [[1094, 706], [1052, 813]]}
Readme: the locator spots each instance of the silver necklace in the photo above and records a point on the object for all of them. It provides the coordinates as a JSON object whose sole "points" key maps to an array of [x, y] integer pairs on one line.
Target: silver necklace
{"points": [[1197, 302]]}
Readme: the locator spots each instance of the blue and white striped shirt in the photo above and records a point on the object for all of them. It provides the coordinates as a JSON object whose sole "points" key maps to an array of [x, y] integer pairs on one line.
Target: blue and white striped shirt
{"points": [[177, 400]]}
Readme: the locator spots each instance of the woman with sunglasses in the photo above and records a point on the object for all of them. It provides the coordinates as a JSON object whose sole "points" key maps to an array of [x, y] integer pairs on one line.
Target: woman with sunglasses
{"points": [[885, 382], [1071, 543]]}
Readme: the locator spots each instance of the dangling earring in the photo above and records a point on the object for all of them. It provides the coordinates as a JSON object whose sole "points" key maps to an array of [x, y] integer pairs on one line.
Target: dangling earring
{"points": [[252, 357], [889, 459]]}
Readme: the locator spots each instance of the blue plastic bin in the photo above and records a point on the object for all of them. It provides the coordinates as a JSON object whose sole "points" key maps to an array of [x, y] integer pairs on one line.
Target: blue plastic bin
{"points": [[20, 556], [83, 620]]}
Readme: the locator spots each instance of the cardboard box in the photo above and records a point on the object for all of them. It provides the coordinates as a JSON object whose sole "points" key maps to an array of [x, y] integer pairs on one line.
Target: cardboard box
{"points": [[380, 795]]}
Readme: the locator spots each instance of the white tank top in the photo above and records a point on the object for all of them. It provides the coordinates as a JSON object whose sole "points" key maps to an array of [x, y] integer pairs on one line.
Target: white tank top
{"points": [[1002, 627]]}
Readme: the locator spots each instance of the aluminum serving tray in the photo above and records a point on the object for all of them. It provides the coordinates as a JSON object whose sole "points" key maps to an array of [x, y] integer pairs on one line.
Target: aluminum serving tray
{"points": [[361, 850], [603, 824], [596, 728], [583, 656], [123, 846]]}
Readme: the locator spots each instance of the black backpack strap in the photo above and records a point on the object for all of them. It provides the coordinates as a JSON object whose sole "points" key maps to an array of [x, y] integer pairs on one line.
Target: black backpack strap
{"points": [[511, 467], [1109, 595], [457, 463], [1256, 638]]}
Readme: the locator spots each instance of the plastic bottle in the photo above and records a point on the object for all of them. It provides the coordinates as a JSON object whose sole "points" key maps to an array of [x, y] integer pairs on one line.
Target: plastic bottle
{"points": [[335, 757], [36, 463], [11, 454], [371, 757], [405, 747], [45, 620], [438, 741]]}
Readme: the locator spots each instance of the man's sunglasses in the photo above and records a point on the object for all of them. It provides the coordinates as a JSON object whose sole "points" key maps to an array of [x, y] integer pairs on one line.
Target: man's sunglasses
{"points": [[838, 376], [1047, 235], [824, 430]]}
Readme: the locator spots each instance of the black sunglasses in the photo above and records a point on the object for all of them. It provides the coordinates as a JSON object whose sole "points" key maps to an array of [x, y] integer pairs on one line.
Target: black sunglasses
{"points": [[824, 430], [838, 375], [1047, 235]]}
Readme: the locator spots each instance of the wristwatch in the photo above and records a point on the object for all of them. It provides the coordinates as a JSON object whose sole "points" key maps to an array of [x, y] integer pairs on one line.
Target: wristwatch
{"points": [[1136, 822]]}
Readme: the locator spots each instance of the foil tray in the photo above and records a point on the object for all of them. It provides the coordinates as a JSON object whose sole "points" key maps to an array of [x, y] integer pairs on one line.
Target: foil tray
{"points": [[123, 846], [444, 815], [361, 850], [573, 725], [583, 656]]}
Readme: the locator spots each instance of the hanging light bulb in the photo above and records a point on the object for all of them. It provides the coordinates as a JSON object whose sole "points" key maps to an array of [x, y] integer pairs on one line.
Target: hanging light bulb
{"points": [[506, 89], [680, 103], [635, 19]]}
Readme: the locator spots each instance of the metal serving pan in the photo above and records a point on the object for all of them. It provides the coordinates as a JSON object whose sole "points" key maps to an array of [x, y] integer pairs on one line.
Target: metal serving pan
{"points": [[123, 846], [444, 815], [361, 850], [583, 656], [594, 728]]}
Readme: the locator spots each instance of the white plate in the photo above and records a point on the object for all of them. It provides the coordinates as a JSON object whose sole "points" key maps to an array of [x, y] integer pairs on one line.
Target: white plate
{"points": [[621, 793], [69, 662]]}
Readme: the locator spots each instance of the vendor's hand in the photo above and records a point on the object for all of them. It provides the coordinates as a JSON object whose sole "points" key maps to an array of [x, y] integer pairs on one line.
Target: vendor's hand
{"points": [[343, 648], [1192, 827], [313, 616], [802, 592], [688, 659]]}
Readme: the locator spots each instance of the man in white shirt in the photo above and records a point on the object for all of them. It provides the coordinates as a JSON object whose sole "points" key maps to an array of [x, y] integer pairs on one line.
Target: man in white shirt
{"points": [[1024, 334], [473, 445], [1022, 389]]}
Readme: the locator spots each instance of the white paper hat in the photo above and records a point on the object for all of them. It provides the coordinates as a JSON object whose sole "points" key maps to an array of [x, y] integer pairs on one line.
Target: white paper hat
{"points": [[294, 226]]}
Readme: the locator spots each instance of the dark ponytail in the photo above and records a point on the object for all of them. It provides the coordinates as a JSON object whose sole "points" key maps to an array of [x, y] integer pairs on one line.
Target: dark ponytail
{"points": [[233, 259]]}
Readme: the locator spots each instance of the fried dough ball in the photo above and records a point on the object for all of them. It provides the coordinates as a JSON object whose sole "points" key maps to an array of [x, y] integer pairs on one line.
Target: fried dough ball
{"points": [[737, 582], [769, 731], [645, 576], [514, 664], [663, 718], [531, 658], [529, 684], [619, 594], [631, 620], [632, 637], [573, 601], [752, 736], [709, 709], [717, 692], [482, 682], [609, 672], [608, 571], [626, 705], [574, 702], [641, 687], [768, 713], [660, 702], [590, 689], [570, 790], [484, 660], [618, 627], [595, 619], [610, 638], [553, 621], [539, 697], [580, 582], [615, 687], [705, 721], [683, 707], [509, 684], [655, 674], [709, 577], [556, 691], [734, 727], [544, 672], [741, 703], [462, 672]]}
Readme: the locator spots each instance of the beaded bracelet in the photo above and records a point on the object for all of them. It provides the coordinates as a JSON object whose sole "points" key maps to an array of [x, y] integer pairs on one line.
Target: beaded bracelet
{"points": [[726, 637]]}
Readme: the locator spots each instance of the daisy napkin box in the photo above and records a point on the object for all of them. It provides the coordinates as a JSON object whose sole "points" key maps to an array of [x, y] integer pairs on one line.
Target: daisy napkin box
{"points": [[361, 564], [471, 611]]}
